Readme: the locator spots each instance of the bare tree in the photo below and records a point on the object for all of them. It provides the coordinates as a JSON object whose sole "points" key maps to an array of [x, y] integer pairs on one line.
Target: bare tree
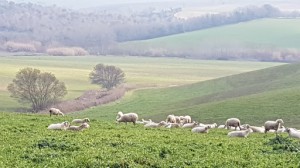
{"points": [[36, 88], [107, 76]]}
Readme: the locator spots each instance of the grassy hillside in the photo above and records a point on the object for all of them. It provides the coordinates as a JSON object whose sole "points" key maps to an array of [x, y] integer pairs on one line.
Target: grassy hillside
{"points": [[26, 142], [254, 97], [265, 35], [282, 33], [141, 72]]}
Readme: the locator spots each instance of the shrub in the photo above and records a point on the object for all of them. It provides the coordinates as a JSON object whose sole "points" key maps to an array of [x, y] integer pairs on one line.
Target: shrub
{"points": [[67, 51]]}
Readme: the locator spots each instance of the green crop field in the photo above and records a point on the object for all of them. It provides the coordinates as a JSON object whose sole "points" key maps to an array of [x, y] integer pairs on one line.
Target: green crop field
{"points": [[263, 33], [254, 97], [26, 142], [140, 72]]}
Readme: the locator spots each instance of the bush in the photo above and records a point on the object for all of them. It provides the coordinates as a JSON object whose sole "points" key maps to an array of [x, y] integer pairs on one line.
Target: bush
{"points": [[67, 51], [11, 46]]}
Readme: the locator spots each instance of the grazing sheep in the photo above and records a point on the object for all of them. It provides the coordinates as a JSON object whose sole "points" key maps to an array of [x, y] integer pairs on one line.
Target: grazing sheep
{"points": [[154, 125], [293, 133], [186, 119], [201, 129], [189, 125], [177, 118], [233, 122], [129, 117], [242, 134], [55, 111], [119, 114], [80, 121], [59, 126], [78, 128], [171, 119], [273, 125]]}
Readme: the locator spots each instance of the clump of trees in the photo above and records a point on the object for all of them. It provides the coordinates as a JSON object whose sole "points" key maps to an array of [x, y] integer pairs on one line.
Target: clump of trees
{"points": [[39, 89], [108, 76], [67, 51]]}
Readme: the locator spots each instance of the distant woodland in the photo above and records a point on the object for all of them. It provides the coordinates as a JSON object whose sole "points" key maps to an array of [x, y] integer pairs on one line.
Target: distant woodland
{"points": [[27, 27]]}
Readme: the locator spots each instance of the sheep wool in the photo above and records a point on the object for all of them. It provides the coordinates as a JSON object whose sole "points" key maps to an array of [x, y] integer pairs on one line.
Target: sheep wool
{"points": [[201, 129], [129, 117], [273, 125], [55, 111], [293, 133], [59, 126], [80, 121]]}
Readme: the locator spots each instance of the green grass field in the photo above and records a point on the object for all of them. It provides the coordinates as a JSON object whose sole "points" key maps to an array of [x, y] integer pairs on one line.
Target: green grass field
{"points": [[254, 97], [264, 33], [26, 142], [140, 72]]}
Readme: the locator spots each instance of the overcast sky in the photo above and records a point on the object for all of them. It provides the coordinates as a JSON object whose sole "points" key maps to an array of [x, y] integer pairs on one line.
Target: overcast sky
{"points": [[84, 3]]}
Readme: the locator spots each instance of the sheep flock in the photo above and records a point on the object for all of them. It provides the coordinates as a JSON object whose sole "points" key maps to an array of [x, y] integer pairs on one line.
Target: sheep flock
{"points": [[185, 122]]}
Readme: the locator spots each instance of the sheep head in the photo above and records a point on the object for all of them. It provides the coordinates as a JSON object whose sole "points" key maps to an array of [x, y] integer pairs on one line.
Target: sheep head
{"points": [[279, 121]]}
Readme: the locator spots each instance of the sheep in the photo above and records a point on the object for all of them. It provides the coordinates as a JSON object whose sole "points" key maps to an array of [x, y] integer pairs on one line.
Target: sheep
{"points": [[119, 114], [186, 119], [293, 133], [173, 125], [214, 125], [201, 129], [154, 125], [59, 126], [177, 118], [171, 118], [55, 111], [221, 126], [273, 125], [257, 129], [242, 134], [129, 117], [189, 125], [80, 121], [78, 128], [233, 122], [146, 122]]}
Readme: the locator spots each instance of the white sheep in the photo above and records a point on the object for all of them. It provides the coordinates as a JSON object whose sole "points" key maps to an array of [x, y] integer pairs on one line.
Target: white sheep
{"points": [[214, 125], [59, 126], [201, 129], [177, 118], [78, 128], [146, 122], [273, 125], [293, 133], [80, 121], [257, 129], [242, 134], [173, 125], [185, 119], [233, 122], [221, 126], [154, 125], [55, 111], [190, 125], [171, 119], [129, 117], [119, 114]]}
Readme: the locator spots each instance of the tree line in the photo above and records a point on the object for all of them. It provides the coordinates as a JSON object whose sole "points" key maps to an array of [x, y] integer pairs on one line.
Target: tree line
{"points": [[43, 28]]}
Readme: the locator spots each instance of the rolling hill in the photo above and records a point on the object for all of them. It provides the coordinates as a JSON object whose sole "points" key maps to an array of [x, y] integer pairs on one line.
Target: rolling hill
{"points": [[254, 97], [259, 39]]}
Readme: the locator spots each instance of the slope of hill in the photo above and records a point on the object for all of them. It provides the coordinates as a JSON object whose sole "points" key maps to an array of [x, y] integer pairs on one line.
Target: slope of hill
{"points": [[26, 142], [265, 39], [254, 97]]}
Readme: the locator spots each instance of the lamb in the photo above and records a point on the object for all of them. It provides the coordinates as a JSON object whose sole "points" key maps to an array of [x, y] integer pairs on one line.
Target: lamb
{"points": [[55, 111], [171, 119], [233, 122], [273, 125], [293, 133], [129, 117], [78, 128], [242, 134], [189, 125], [201, 129], [221, 126], [59, 126], [80, 121]]}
